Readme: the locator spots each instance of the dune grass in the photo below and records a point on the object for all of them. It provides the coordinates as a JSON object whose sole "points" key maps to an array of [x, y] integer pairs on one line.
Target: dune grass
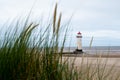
{"points": [[26, 57]]}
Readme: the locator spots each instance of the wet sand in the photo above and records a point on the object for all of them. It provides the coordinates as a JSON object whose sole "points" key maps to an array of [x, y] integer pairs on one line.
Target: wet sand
{"points": [[94, 60], [110, 62]]}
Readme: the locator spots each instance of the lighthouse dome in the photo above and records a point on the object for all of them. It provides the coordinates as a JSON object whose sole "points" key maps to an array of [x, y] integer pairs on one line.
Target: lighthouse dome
{"points": [[79, 33]]}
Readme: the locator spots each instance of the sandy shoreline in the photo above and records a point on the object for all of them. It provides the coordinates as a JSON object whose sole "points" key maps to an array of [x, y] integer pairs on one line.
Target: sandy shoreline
{"points": [[96, 57], [109, 60], [94, 60]]}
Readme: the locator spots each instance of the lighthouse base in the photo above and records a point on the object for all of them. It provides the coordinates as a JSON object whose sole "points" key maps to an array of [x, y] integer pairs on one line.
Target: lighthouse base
{"points": [[78, 51]]}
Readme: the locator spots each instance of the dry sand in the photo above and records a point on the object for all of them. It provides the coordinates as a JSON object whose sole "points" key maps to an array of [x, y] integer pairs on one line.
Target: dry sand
{"points": [[111, 66], [84, 59], [94, 60]]}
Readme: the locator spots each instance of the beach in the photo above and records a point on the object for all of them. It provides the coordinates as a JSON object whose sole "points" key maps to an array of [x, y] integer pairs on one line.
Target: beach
{"points": [[97, 58], [109, 66], [93, 54], [94, 60]]}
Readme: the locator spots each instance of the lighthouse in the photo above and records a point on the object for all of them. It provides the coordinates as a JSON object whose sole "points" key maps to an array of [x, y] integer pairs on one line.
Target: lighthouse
{"points": [[79, 43]]}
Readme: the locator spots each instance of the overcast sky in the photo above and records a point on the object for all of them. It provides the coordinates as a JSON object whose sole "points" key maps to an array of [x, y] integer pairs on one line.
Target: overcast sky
{"points": [[97, 18]]}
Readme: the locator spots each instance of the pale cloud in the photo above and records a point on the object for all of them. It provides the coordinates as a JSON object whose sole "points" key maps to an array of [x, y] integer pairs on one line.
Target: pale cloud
{"points": [[102, 14], [14, 8], [98, 18], [102, 33]]}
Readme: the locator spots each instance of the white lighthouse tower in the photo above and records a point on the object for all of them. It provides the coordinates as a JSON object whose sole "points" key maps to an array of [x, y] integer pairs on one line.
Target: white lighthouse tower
{"points": [[79, 43]]}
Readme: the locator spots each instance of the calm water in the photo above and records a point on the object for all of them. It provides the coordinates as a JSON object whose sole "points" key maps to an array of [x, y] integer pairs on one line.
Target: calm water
{"points": [[97, 49]]}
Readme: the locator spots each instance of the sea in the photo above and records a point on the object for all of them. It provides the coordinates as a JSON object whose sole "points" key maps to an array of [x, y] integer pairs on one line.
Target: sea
{"points": [[96, 49]]}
